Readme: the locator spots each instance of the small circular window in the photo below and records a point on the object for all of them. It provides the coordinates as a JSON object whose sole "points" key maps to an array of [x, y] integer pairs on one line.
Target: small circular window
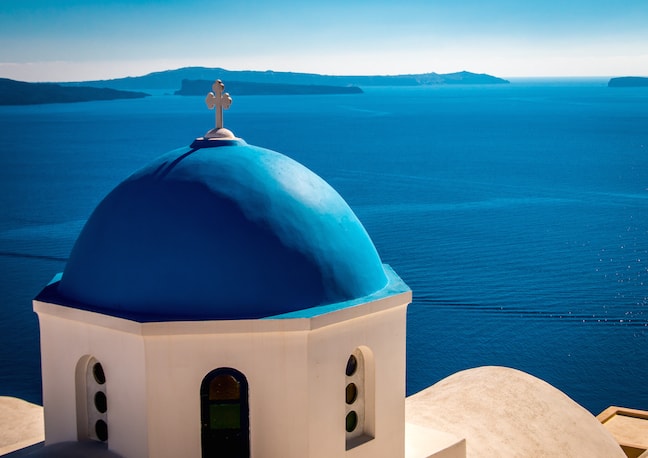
{"points": [[351, 421], [351, 393], [98, 373], [352, 366], [101, 430], [100, 401]]}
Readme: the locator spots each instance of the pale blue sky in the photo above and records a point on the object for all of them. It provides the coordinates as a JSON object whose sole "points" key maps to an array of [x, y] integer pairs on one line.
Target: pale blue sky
{"points": [[67, 40]]}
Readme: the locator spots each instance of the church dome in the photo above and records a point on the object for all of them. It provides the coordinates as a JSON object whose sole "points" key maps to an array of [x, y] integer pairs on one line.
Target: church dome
{"points": [[220, 230]]}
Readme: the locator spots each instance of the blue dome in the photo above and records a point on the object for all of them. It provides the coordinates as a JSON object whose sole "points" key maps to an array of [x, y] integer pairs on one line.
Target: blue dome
{"points": [[227, 232]]}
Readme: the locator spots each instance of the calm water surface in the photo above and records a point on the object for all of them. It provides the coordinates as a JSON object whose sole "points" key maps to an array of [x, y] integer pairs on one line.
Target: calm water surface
{"points": [[518, 214]]}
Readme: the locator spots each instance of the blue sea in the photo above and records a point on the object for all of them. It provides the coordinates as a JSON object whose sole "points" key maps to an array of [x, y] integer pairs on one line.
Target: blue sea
{"points": [[518, 214]]}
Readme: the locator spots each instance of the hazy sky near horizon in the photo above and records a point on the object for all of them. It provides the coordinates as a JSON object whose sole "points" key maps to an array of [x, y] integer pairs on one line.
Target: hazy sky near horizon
{"points": [[73, 40]]}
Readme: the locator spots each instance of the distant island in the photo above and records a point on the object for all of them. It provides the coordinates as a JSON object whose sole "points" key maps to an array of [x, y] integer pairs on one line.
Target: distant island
{"points": [[198, 80], [628, 81], [21, 93], [171, 80], [201, 87]]}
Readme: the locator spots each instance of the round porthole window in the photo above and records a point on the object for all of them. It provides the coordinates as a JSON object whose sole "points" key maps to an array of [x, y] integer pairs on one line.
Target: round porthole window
{"points": [[352, 366], [101, 430], [351, 421], [98, 373], [100, 401], [351, 393]]}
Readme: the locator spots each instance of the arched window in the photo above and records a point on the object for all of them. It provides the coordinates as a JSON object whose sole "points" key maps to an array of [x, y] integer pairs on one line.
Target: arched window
{"points": [[92, 400], [225, 414], [359, 397]]}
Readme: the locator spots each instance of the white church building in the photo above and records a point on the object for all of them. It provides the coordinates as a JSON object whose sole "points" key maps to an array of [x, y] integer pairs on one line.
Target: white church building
{"points": [[225, 301]]}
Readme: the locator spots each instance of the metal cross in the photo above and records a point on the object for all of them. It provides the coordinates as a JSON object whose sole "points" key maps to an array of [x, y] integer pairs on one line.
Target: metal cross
{"points": [[219, 100]]}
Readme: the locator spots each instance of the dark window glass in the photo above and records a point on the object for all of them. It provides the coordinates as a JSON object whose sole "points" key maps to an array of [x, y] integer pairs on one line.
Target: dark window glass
{"points": [[98, 373], [101, 430], [351, 393], [224, 388], [352, 366], [100, 401], [225, 414], [351, 421]]}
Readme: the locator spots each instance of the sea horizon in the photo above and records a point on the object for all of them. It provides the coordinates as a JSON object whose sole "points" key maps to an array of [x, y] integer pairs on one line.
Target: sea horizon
{"points": [[512, 78]]}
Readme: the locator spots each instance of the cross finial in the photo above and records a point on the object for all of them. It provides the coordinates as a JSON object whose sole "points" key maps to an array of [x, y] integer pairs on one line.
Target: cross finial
{"points": [[219, 100]]}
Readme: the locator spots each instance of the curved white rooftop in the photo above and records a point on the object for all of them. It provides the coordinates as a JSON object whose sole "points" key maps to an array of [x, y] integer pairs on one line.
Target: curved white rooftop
{"points": [[506, 412]]}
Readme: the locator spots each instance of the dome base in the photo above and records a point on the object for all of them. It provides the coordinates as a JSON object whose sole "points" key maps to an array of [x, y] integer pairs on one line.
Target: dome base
{"points": [[221, 132]]}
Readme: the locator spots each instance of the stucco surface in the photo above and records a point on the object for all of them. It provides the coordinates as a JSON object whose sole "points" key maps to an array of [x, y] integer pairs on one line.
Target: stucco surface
{"points": [[21, 424], [504, 412]]}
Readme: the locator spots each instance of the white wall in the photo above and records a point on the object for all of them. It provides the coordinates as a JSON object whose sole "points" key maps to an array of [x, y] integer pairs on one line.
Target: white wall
{"points": [[329, 348], [295, 369], [64, 341]]}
